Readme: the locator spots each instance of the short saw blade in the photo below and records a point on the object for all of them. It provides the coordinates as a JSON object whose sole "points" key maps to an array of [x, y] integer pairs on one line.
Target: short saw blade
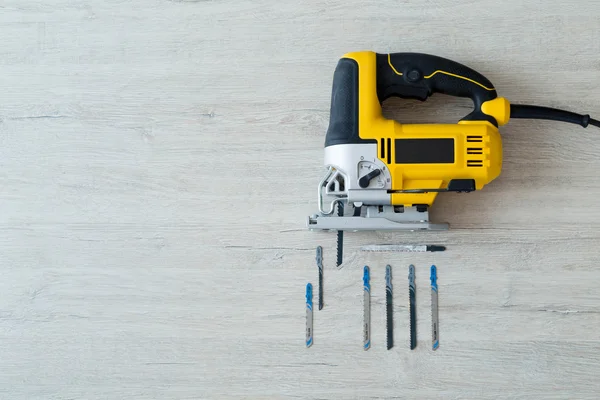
{"points": [[340, 236]]}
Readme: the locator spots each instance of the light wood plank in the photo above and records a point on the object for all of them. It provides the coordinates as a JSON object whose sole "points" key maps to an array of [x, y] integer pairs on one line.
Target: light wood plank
{"points": [[158, 160]]}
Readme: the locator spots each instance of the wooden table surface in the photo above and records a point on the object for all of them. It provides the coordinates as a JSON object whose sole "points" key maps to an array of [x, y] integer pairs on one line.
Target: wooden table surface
{"points": [[158, 160]]}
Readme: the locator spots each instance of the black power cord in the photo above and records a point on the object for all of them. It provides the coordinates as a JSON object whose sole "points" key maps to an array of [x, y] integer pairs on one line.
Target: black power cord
{"points": [[553, 114]]}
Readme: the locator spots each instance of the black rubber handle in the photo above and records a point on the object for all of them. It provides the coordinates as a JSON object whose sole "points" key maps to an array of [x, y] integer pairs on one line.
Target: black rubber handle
{"points": [[343, 117], [418, 76]]}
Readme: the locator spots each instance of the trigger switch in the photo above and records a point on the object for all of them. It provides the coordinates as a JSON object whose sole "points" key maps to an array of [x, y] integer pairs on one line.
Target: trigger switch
{"points": [[413, 75]]}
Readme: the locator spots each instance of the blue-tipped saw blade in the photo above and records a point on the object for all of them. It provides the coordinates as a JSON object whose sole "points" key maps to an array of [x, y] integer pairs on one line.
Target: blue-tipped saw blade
{"points": [[434, 310], [309, 315], [367, 309]]}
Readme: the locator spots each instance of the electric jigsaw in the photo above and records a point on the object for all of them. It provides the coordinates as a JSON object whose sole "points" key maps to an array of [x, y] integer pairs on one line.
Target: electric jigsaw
{"points": [[384, 175]]}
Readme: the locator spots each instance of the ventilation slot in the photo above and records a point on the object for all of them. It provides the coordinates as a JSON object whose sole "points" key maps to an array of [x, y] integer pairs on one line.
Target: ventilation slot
{"points": [[389, 151], [474, 163], [474, 150], [382, 149], [474, 139]]}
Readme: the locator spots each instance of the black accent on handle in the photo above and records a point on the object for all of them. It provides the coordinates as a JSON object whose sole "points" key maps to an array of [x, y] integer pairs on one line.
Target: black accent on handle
{"points": [[343, 116], [418, 76]]}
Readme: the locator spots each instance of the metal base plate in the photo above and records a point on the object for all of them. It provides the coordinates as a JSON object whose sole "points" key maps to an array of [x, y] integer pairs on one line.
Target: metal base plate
{"points": [[377, 218]]}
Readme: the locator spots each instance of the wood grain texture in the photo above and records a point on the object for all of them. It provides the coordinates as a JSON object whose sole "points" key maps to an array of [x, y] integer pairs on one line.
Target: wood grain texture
{"points": [[158, 160]]}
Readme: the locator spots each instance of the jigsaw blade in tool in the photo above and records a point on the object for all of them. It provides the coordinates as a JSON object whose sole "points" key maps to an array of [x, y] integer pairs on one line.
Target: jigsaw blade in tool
{"points": [[367, 309], [340, 237], [309, 315], [412, 305], [434, 309], [389, 309], [320, 266]]}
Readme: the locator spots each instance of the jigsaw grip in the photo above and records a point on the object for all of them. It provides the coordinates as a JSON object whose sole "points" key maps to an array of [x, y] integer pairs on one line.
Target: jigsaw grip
{"points": [[418, 76], [343, 116]]}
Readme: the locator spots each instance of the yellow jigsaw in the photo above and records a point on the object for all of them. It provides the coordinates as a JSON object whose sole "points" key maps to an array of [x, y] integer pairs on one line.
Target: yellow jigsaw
{"points": [[384, 175]]}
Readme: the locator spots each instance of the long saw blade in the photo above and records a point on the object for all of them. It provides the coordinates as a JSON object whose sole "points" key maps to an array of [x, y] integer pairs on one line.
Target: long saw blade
{"points": [[402, 248], [389, 309], [320, 266], [367, 309], [413, 309], [434, 309], [309, 315]]}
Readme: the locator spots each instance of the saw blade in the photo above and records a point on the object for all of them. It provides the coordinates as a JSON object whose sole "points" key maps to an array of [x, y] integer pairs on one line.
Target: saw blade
{"points": [[412, 304], [389, 307], [434, 309], [367, 309], [340, 236], [320, 266], [309, 315], [402, 248]]}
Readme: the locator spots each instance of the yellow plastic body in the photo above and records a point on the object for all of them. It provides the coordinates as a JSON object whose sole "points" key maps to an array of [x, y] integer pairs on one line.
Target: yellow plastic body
{"points": [[477, 144], [499, 108]]}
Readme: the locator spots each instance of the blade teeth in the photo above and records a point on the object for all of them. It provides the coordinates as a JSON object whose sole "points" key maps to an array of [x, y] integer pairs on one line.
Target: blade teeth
{"points": [[412, 312], [340, 247], [340, 236], [387, 325], [411, 329], [389, 309], [390, 327]]}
